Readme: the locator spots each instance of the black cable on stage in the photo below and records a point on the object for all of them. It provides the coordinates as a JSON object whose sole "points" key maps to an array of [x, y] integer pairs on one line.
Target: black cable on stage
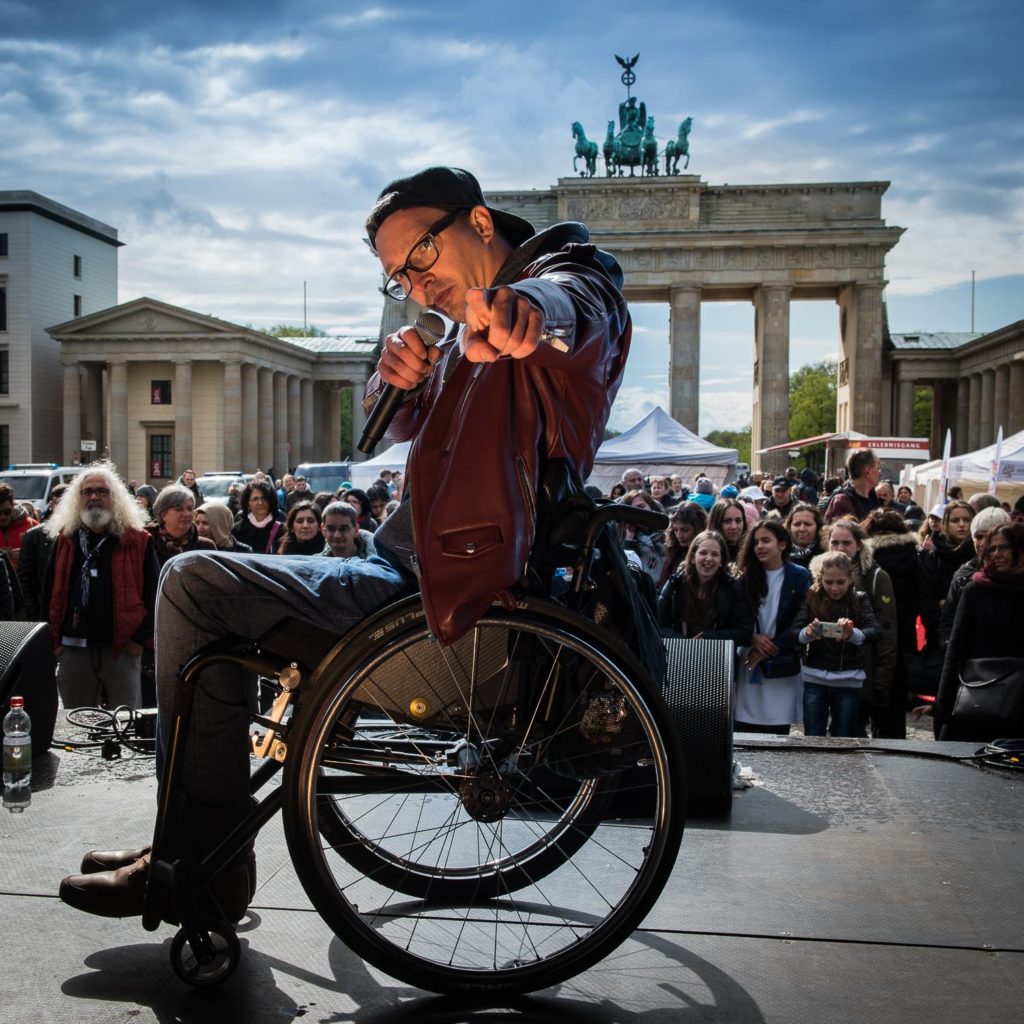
{"points": [[110, 730], [1007, 754]]}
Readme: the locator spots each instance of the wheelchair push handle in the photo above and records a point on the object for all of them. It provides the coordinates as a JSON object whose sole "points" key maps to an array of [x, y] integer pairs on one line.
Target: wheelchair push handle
{"points": [[646, 519]]}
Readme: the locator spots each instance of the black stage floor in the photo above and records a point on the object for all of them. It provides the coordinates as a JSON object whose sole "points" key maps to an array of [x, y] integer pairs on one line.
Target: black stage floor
{"points": [[846, 887]]}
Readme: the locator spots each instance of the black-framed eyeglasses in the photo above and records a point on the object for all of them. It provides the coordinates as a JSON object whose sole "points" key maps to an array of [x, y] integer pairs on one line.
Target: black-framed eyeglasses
{"points": [[422, 256]]}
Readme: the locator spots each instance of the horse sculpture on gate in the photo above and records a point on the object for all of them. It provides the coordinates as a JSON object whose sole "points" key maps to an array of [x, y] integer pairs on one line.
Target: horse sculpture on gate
{"points": [[678, 147], [611, 165], [585, 150], [650, 150], [631, 143]]}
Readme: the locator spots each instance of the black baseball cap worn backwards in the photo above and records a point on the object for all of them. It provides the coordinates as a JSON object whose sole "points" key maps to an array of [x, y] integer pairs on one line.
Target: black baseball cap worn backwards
{"points": [[446, 188]]}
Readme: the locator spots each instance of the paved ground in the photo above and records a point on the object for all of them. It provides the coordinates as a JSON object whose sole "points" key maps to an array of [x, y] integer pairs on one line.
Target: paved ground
{"points": [[845, 887]]}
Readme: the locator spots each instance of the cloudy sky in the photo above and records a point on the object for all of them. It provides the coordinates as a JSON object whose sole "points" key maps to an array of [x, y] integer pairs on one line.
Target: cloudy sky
{"points": [[237, 146]]}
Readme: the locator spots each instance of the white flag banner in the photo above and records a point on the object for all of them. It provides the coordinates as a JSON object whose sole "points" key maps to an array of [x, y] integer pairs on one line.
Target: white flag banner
{"points": [[944, 482], [996, 459]]}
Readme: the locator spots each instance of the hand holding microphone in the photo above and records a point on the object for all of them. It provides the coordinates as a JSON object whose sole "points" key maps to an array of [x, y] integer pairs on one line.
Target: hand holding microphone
{"points": [[408, 358]]}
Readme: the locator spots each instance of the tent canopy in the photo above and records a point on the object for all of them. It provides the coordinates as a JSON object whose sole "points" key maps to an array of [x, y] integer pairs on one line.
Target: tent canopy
{"points": [[972, 471], [661, 446], [364, 473]]}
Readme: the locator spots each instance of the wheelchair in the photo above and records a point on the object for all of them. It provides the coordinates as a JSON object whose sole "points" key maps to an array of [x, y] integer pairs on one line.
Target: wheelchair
{"points": [[493, 816]]}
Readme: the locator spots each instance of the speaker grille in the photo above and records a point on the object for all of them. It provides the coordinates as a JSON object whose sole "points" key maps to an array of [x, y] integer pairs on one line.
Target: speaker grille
{"points": [[698, 690], [12, 636]]}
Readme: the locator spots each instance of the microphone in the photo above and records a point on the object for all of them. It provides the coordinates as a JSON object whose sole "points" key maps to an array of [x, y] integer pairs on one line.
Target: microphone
{"points": [[429, 327]]}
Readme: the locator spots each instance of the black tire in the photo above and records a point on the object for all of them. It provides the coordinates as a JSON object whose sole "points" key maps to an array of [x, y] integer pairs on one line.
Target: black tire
{"points": [[481, 835], [207, 956]]}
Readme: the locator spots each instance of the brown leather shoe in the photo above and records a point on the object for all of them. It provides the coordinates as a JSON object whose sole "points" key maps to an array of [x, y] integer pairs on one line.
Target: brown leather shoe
{"points": [[110, 860], [121, 893], [117, 893]]}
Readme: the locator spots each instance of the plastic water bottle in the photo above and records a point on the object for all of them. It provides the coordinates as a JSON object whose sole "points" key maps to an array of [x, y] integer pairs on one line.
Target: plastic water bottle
{"points": [[17, 757]]}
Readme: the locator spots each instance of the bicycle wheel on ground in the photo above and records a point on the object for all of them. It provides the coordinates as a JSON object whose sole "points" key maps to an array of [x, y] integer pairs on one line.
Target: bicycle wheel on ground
{"points": [[448, 809]]}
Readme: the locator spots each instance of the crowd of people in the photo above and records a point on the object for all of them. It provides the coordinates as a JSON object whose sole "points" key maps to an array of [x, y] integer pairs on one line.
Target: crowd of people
{"points": [[90, 564], [842, 598], [803, 634], [847, 603]]}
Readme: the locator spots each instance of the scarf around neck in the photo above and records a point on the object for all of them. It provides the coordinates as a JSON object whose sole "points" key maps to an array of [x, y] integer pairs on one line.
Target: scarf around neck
{"points": [[990, 577]]}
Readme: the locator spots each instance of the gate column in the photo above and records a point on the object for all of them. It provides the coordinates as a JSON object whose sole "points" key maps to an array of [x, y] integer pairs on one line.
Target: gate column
{"points": [[684, 357], [771, 375]]}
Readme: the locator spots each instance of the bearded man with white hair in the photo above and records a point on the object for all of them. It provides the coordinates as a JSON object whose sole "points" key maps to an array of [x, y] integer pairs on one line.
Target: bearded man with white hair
{"points": [[100, 590]]}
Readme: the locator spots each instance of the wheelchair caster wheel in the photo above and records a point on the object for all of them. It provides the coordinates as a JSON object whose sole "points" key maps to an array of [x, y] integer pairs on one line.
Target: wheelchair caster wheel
{"points": [[207, 956]]}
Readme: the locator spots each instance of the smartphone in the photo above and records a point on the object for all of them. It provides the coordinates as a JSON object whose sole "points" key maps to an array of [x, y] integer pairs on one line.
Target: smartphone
{"points": [[830, 630]]}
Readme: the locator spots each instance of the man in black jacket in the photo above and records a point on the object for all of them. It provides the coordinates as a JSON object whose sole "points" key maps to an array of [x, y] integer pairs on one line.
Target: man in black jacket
{"points": [[857, 496], [33, 556]]}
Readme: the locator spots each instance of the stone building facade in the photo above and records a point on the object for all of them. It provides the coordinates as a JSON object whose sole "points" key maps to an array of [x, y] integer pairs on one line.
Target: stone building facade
{"points": [[160, 389], [977, 383], [684, 242], [55, 264]]}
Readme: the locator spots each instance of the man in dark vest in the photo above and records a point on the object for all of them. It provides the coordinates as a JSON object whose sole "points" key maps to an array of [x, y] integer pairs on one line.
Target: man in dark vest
{"points": [[857, 496], [99, 591]]}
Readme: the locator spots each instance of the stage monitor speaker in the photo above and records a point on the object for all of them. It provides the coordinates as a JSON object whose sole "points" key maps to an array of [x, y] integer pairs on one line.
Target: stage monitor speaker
{"points": [[27, 670], [699, 692]]}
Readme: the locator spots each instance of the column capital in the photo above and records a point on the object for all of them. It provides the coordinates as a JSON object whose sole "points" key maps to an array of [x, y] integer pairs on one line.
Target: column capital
{"points": [[868, 285]]}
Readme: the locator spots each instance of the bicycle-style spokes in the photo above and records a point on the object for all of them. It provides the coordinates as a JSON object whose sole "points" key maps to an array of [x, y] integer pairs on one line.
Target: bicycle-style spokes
{"points": [[498, 813]]}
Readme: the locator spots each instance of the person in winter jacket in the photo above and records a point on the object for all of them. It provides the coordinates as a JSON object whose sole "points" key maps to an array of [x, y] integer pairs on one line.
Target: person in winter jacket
{"points": [[883, 708], [951, 547], [214, 521], [989, 623], [259, 522], [836, 625], [981, 525], [894, 548], [188, 479], [857, 496], [703, 600], [15, 522], [804, 524], [99, 591]]}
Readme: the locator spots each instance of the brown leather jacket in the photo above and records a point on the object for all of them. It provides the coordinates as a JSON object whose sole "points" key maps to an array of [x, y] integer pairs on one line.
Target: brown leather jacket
{"points": [[482, 438]]}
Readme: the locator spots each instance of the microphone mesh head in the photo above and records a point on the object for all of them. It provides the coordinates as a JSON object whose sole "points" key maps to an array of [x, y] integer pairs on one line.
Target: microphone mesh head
{"points": [[430, 328]]}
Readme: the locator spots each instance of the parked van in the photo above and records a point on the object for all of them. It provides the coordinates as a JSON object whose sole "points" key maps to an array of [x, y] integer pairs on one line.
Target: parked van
{"points": [[33, 481], [324, 476]]}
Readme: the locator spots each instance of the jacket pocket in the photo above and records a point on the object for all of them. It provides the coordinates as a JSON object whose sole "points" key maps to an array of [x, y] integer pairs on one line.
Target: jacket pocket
{"points": [[471, 541]]}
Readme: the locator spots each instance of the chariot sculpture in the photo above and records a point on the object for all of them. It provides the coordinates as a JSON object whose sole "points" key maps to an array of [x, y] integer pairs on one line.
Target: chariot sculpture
{"points": [[634, 145]]}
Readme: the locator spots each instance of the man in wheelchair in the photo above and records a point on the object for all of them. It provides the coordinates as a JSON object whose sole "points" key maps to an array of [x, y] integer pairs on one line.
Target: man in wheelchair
{"points": [[525, 380]]}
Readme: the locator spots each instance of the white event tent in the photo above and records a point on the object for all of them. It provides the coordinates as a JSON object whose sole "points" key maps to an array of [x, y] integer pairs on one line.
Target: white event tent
{"points": [[972, 472], [660, 445], [364, 473]]}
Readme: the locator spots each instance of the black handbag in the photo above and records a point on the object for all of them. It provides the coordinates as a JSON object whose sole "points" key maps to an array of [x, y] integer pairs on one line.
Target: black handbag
{"points": [[783, 664], [990, 690]]}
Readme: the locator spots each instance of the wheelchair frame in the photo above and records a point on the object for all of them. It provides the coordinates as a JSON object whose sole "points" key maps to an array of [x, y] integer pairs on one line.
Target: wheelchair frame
{"points": [[206, 951]]}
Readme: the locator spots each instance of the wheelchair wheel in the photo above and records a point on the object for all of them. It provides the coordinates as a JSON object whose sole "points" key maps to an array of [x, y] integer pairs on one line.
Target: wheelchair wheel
{"points": [[447, 808], [564, 815], [205, 957]]}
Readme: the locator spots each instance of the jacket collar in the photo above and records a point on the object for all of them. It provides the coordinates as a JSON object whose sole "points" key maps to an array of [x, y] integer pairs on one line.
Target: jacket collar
{"points": [[550, 240]]}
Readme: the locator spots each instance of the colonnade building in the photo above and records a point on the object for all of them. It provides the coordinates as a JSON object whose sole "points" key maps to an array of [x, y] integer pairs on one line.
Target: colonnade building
{"points": [[977, 383], [161, 389]]}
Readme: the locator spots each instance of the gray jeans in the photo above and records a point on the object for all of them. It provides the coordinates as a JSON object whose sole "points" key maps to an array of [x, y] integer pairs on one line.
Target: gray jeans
{"points": [[207, 595], [83, 671]]}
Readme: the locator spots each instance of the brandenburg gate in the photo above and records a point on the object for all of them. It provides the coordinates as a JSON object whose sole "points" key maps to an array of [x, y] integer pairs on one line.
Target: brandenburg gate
{"points": [[683, 242]]}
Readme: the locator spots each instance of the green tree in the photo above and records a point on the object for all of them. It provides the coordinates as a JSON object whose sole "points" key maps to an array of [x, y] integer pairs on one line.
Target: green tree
{"points": [[812, 400], [923, 412], [738, 439], [348, 442], [291, 331]]}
